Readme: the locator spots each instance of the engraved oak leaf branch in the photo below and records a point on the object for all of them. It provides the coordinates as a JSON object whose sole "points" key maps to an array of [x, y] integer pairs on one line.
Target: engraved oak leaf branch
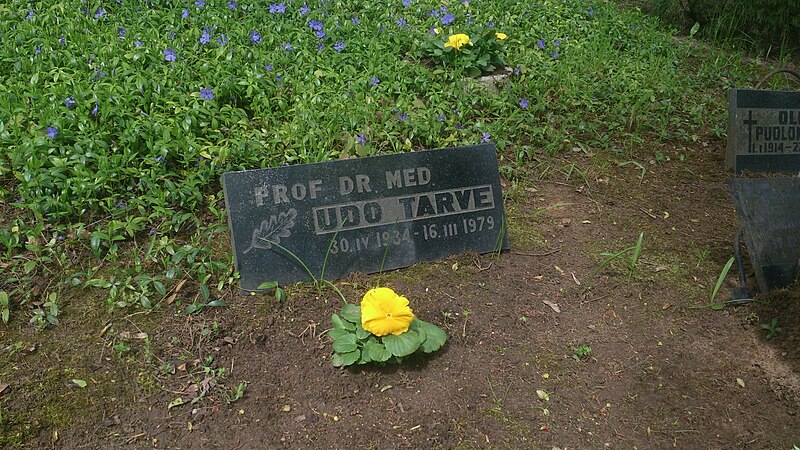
{"points": [[272, 230]]}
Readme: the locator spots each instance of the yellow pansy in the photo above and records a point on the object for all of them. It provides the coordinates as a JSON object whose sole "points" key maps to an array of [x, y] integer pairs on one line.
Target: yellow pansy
{"points": [[384, 312], [457, 41], [501, 36]]}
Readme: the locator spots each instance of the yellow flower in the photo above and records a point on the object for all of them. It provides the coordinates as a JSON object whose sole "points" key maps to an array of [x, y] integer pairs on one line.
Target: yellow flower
{"points": [[437, 31], [457, 41], [384, 312], [501, 36]]}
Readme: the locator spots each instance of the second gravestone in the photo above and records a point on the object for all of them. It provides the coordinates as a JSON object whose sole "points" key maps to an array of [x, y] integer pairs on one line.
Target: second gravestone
{"points": [[363, 215], [763, 131]]}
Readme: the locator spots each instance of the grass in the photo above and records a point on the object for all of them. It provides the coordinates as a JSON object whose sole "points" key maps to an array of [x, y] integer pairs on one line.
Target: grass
{"points": [[112, 149]]}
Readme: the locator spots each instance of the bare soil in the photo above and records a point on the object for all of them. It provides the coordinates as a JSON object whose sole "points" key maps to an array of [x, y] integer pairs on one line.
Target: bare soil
{"points": [[660, 373]]}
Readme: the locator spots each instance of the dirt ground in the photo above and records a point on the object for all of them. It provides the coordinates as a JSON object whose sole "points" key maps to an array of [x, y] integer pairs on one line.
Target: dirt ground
{"points": [[516, 371]]}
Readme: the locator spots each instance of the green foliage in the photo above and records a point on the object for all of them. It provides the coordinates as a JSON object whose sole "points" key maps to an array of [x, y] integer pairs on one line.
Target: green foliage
{"points": [[352, 344], [582, 351], [237, 392], [752, 23], [772, 328], [721, 279], [5, 310], [482, 54], [610, 257], [48, 313]]}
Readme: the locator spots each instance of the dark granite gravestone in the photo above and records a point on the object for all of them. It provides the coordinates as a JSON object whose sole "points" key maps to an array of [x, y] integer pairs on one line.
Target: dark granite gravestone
{"points": [[763, 131], [366, 214], [768, 209]]}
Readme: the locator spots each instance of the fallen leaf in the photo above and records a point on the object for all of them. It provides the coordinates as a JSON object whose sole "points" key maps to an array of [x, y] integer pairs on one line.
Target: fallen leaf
{"points": [[666, 306], [3, 387], [542, 395], [559, 269], [386, 388], [554, 306], [455, 267], [740, 382], [177, 402], [538, 278], [172, 297], [661, 268], [129, 335], [79, 383], [575, 279], [286, 408]]}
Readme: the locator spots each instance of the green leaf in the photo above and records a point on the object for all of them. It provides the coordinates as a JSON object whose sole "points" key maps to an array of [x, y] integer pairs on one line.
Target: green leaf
{"points": [[338, 322], [336, 333], [280, 295], [351, 313], [267, 285], [217, 303], [402, 344], [361, 333], [345, 344], [377, 351], [436, 337], [345, 359], [79, 383]]}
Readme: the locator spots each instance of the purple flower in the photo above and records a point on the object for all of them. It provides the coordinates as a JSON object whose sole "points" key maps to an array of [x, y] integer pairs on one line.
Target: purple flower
{"points": [[557, 42], [121, 32], [170, 55], [361, 139], [540, 43], [432, 30], [374, 80], [222, 39], [94, 110], [356, 21], [232, 4], [441, 117], [280, 8], [185, 13], [255, 37], [490, 25], [315, 25], [200, 3], [52, 132], [205, 37], [402, 117], [288, 47], [29, 16], [401, 22], [339, 46], [523, 103], [99, 12], [555, 55], [207, 93], [269, 67], [320, 34], [37, 50], [447, 19], [591, 12], [320, 47], [138, 43], [434, 13], [304, 9], [517, 70], [485, 137], [406, 3], [170, 34], [278, 79], [62, 41], [70, 102]]}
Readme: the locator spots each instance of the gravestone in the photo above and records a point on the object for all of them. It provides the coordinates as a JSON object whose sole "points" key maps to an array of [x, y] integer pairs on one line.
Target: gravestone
{"points": [[763, 131], [768, 209], [363, 215]]}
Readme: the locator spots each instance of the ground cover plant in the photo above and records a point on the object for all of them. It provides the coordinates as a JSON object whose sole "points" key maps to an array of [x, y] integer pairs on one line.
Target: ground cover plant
{"points": [[119, 117]]}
